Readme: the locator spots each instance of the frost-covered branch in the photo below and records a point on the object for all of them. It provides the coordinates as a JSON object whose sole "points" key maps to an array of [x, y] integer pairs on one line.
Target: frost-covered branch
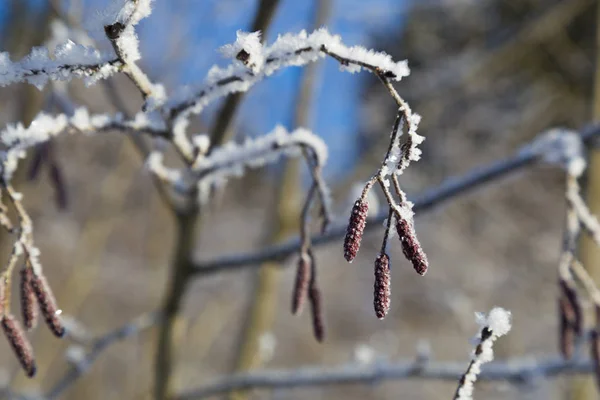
{"points": [[253, 62], [120, 30], [493, 325], [451, 188], [70, 60], [17, 139]]}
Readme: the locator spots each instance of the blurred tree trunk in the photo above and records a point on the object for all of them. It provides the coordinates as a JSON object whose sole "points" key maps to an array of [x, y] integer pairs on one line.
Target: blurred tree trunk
{"points": [[585, 388], [286, 222]]}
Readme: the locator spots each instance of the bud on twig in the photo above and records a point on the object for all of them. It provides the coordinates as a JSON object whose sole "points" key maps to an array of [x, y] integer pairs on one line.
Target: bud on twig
{"points": [[28, 302], [381, 295], [410, 245], [47, 304], [19, 343], [303, 275], [355, 229], [314, 296]]}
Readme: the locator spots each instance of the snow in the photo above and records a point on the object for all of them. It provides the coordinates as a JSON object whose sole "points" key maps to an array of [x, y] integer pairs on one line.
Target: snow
{"points": [[231, 159], [70, 60], [498, 321], [288, 50]]}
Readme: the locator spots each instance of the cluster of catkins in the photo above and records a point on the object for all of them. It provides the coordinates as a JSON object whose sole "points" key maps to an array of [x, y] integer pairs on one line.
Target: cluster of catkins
{"points": [[410, 247], [35, 294]]}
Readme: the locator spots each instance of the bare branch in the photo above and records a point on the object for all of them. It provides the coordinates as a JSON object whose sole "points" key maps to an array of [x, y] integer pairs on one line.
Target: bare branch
{"points": [[517, 370]]}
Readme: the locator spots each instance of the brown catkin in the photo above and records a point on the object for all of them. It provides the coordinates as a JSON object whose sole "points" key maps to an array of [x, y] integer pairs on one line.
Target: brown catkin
{"points": [[2, 296], [566, 333], [411, 247], [303, 275], [572, 306], [314, 296], [595, 354], [47, 304], [19, 343], [595, 346], [29, 309], [382, 287], [355, 229]]}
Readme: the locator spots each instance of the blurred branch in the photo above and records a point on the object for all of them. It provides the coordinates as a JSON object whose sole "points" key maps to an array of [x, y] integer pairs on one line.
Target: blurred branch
{"points": [[449, 189], [222, 125], [519, 370], [82, 364]]}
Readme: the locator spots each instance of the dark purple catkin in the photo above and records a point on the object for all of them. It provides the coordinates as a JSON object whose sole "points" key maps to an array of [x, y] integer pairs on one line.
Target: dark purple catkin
{"points": [[19, 343], [595, 346], [47, 304], [566, 333], [355, 229], [314, 296], [411, 247], [572, 307], [303, 274], [2, 296], [382, 292], [29, 309]]}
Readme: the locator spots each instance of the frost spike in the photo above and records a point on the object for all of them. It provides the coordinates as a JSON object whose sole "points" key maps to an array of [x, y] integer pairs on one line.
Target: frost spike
{"points": [[355, 229], [47, 304], [314, 296], [382, 287], [303, 275], [19, 343], [410, 245], [29, 309]]}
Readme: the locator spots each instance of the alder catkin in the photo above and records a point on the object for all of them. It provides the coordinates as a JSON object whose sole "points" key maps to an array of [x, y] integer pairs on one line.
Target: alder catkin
{"points": [[566, 333], [19, 343], [47, 304], [382, 289], [572, 306], [410, 246], [355, 229], [303, 275], [29, 309], [314, 296]]}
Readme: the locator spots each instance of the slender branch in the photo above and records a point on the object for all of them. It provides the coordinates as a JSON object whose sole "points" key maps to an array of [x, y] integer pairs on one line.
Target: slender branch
{"points": [[82, 365], [518, 370]]}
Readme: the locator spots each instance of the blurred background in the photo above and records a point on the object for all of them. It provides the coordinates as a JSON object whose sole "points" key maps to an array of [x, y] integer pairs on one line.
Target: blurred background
{"points": [[487, 77]]}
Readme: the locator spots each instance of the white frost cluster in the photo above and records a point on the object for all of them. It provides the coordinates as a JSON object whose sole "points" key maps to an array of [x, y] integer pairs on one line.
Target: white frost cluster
{"points": [[126, 12], [251, 45], [129, 13], [560, 147], [69, 60], [498, 321], [17, 138], [231, 159], [155, 164], [288, 50], [392, 163]]}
